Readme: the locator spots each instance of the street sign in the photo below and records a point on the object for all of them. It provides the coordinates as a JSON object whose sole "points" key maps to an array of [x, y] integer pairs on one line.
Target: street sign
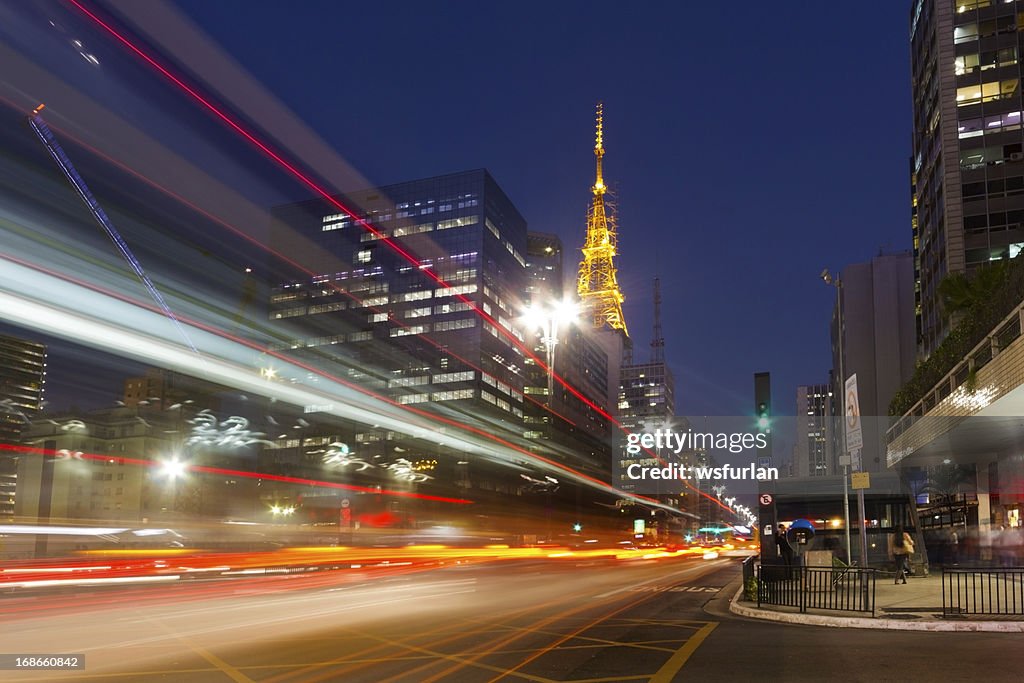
{"points": [[766, 499], [860, 480], [854, 433]]}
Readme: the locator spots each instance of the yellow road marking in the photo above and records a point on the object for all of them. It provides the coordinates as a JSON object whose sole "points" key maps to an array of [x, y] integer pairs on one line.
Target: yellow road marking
{"points": [[231, 671], [670, 668]]}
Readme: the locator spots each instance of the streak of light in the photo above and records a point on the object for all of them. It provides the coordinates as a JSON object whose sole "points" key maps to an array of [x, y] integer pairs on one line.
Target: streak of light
{"points": [[64, 530], [226, 472], [286, 259], [393, 245], [217, 345], [327, 196], [49, 583]]}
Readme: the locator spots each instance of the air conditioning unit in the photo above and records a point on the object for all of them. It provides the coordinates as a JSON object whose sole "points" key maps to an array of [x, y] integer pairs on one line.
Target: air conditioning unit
{"points": [[1016, 156]]}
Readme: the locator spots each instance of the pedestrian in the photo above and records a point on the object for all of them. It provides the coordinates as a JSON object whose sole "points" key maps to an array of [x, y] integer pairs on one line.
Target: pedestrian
{"points": [[902, 549], [954, 547], [785, 549]]}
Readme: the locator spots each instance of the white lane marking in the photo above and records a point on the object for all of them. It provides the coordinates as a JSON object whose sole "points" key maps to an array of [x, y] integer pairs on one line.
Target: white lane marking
{"points": [[261, 622], [656, 579], [293, 601]]}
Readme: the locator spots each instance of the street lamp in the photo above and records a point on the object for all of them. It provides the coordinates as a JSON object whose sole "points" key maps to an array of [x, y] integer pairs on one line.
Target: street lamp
{"points": [[173, 469], [548, 318], [843, 459]]}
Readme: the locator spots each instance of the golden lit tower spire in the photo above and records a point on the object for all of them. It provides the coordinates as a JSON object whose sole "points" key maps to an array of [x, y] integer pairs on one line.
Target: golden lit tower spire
{"points": [[596, 284]]}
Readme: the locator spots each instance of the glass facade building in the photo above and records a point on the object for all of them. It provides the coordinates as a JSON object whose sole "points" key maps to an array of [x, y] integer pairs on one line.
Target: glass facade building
{"points": [[399, 318], [22, 382]]}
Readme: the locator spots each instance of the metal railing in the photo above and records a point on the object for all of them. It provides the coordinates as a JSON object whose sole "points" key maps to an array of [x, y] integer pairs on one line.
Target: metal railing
{"points": [[985, 590], [1002, 336], [848, 589]]}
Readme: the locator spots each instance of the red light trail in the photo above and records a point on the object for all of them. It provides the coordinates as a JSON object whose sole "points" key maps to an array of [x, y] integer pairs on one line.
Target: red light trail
{"points": [[315, 187]]}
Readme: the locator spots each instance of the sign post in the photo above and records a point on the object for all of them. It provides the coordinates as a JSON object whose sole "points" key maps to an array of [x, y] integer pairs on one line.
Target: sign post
{"points": [[855, 446]]}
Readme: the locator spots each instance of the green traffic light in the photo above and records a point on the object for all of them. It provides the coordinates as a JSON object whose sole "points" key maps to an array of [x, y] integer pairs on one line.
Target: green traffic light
{"points": [[763, 423]]}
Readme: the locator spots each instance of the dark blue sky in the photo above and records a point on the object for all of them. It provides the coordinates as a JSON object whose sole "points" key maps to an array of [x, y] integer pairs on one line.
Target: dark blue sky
{"points": [[750, 144]]}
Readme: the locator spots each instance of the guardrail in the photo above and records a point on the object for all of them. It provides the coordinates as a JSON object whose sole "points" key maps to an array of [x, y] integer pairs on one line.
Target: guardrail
{"points": [[999, 339], [983, 591], [846, 589]]}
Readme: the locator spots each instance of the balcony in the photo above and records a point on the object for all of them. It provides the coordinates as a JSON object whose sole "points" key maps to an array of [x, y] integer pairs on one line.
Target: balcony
{"points": [[988, 383]]}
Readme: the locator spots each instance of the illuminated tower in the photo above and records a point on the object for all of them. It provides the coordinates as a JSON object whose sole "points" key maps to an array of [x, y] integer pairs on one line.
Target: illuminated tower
{"points": [[596, 284]]}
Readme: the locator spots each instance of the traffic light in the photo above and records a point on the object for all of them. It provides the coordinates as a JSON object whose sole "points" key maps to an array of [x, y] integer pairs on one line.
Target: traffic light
{"points": [[763, 417]]}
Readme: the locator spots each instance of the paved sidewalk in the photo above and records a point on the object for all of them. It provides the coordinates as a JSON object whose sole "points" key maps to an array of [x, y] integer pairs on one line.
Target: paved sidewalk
{"points": [[916, 606]]}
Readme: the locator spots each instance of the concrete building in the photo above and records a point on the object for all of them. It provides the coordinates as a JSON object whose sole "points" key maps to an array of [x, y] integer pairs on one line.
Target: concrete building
{"points": [[878, 343], [106, 465]]}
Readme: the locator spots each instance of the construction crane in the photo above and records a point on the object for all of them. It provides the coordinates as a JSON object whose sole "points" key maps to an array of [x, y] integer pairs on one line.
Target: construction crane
{"points": [[45, 135]]}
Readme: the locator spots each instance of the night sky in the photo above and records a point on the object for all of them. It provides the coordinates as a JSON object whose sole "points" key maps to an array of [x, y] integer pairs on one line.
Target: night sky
{"points": [[750, 145]]}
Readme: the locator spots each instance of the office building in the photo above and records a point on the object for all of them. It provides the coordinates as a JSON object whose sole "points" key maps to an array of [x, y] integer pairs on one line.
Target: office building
{"points": [[562, 423], [967, 166], [422, 307], [22, 381], [813, 451]]}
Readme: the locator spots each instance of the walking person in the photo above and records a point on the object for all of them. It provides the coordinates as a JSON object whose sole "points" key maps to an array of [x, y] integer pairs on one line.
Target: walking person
{"points": [[902, 549]]}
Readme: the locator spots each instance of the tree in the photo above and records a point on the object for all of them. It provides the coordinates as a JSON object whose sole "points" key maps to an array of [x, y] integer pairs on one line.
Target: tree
{"points": [[961, 293]]}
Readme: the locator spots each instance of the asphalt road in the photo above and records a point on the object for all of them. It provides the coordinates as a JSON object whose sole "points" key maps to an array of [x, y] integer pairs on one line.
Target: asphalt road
{"points": [[538, 621]]}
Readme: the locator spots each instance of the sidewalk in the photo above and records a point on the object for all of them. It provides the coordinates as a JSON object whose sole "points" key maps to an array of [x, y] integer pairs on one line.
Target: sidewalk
{"points": [[916, 606]]}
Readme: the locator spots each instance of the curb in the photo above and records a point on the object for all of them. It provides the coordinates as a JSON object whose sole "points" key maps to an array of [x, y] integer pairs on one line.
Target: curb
{"points": [[870, 622]]}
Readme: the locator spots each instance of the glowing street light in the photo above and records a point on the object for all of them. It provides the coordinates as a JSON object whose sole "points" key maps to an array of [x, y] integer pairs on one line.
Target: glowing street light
{"points": [[173, 469], [548, 318]]}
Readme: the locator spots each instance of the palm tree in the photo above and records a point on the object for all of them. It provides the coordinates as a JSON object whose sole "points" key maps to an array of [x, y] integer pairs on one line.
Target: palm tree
{"points": [[961, 293]]}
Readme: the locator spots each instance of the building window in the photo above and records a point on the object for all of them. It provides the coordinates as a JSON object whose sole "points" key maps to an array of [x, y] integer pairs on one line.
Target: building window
{"points": [[412, 329], [364, 256], [452, 395], [448, 325], [466, 376], [458, 222], [986, 92]]}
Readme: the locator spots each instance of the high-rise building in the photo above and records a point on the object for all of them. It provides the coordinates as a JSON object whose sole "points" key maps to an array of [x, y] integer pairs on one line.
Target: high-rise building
{"points": [[877, 343], [812, 453], [967, 167], [647, 399], [22, 381], [422, 308], [562, 423]]}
